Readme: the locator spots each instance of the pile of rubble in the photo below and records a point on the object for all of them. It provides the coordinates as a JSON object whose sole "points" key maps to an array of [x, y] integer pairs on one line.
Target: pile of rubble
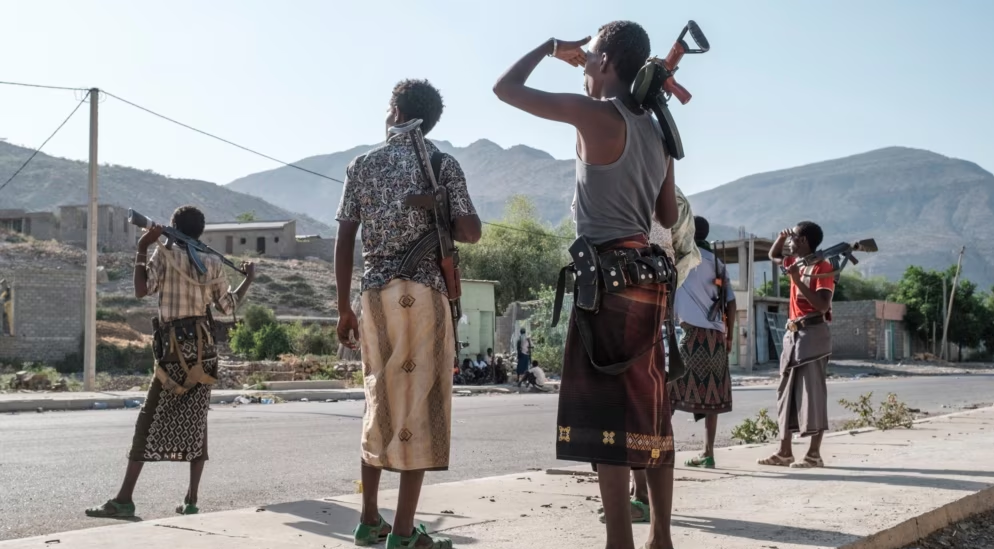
{"points": [[37, 381]]}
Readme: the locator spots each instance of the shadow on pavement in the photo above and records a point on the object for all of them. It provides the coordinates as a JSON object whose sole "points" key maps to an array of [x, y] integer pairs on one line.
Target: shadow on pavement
{"points": [[336, 520], [919, 471], [762, 531]]}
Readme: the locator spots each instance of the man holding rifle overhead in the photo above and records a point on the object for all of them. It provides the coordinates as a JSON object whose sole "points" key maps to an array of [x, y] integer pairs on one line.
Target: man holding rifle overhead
{"points": [[802, 397], [409, 286], [613, 407], [172, 423]]}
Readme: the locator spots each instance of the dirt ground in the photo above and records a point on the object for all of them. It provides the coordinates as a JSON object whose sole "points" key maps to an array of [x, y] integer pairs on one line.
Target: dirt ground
{"points": [[976, 532]]}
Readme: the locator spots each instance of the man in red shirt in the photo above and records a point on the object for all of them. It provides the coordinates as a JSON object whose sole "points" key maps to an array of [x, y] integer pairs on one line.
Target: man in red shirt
{"points": [[802, 397]]}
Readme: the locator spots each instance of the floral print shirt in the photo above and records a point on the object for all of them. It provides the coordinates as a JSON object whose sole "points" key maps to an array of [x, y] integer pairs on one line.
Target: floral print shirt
{"points": [[376, 185]]}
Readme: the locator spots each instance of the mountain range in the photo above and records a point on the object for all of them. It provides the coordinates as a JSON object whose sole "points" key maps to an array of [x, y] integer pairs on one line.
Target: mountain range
{"points": [[919, 206], [48, 182]]}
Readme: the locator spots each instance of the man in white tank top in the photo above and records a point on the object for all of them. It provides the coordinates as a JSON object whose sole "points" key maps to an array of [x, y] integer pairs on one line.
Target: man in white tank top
{"points": [[616, 417]]}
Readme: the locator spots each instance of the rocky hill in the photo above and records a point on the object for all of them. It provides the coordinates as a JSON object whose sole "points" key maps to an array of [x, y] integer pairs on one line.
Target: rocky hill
{"points": [[919, 206], [48, 182]]}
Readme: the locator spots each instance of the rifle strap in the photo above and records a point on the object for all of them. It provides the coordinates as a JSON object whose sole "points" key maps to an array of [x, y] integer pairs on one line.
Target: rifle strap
{"points": [[428, 242]]}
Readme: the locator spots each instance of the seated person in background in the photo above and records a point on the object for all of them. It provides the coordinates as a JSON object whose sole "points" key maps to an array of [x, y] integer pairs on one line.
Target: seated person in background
{"points": [[500, 373], [535, 377]]}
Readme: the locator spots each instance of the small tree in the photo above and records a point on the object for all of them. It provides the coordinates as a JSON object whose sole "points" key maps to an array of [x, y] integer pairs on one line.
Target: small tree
{"points": [[246, 217]]}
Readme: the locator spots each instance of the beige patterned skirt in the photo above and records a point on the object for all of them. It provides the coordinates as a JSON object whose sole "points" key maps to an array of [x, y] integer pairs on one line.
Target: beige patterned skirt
{"points": [[408, 351]]}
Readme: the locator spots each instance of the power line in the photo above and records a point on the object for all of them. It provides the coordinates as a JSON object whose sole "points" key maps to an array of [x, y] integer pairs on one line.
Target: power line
{"points": [[43, 86], [287, 164], [36, 151], [223, 140]]}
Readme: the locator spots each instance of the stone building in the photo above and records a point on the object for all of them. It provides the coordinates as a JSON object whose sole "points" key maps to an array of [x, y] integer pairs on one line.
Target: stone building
{"points": [[40, 225], [114, 233], [48, 314], [873, 330], [264, 238]]}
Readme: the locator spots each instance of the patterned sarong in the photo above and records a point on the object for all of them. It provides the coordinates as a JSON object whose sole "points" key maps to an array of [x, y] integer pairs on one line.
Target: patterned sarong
{"points": [[619, 419], [407, 354], [707, 387], [171, 426]]}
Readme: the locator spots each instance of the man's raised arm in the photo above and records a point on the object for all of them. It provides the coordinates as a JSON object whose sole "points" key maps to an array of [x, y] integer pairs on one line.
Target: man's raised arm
{"points": [[570, 108]]}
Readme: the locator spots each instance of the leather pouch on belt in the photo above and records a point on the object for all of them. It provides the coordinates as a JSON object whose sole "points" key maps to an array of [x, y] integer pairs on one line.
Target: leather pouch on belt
{"points": [[585, 263], [613, 266]]}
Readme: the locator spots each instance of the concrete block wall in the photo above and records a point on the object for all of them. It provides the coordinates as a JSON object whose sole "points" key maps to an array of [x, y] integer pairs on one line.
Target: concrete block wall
{"points": [[49, 306], [321, 248], [855, 329]]}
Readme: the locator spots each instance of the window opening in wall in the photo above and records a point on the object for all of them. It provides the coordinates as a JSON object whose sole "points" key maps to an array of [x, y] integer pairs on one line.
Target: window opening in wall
{"points": [[243, 241], [276, 239], [110, 222]]}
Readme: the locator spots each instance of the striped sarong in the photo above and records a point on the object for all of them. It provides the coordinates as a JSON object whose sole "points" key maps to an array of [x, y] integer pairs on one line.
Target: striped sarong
{"points": [[407, 355], [707, 387]]}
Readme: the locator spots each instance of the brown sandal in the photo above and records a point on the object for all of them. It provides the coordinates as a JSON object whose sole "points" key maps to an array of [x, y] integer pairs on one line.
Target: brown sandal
{"points": [[777, 460], [808, 463]]}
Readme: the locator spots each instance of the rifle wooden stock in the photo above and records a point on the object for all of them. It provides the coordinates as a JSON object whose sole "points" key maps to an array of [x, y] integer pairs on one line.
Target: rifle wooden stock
{"points": [[453, 282]]}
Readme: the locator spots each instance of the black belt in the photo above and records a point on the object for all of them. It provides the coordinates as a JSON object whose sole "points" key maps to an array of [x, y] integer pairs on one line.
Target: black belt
{"points": [[802, 323]]}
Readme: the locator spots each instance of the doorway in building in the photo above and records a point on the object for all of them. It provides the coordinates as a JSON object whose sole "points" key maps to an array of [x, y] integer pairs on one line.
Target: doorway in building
{"points": [[229, 245], [260, 245]]}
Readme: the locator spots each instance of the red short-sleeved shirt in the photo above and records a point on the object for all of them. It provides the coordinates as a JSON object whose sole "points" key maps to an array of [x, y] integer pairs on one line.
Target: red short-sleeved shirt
{"points": [[799, 306]]}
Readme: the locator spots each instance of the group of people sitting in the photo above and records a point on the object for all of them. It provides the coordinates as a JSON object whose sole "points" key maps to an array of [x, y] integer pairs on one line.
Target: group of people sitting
{"points": [[490, 370]]}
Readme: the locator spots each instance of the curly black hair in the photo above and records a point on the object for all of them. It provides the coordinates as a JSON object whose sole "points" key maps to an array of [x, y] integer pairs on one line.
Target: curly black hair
{"points": [[811, 232], [701, 228], [418, 99], [189, 220], [627, 47]]}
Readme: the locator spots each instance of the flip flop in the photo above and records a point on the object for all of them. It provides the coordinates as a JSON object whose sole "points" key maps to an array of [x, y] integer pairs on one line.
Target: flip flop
{"points": [[637, 507], [112, 509], [808, 463], [187, 509], [777, 461], [398, 542], [365, 535], [706, 462]]}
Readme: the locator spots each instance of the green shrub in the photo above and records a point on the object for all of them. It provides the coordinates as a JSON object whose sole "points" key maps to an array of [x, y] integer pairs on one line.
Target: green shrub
{"points": [[549, 357], [302, 288], [241, 341], [761, 429], [892, 413], [256, 317], [271, 342], [314, 340]]}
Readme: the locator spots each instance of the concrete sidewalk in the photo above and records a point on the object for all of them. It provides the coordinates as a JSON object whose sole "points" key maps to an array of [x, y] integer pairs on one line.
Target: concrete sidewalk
{"points": [[881, 490]]}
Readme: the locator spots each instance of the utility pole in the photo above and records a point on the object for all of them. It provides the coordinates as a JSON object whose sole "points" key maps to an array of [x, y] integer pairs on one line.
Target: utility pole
{"points": [[90, 320], [952, 297]]}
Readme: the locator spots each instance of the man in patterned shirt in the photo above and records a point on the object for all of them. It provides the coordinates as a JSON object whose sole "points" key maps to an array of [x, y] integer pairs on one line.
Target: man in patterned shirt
{"points": [[172, 423], [406, 334]]}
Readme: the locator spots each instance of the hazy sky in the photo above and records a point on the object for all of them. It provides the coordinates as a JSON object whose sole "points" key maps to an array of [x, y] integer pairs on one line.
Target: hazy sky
{"points": [[786, 83]]}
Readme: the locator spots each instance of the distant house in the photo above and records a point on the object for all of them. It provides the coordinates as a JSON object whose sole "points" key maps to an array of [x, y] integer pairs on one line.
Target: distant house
{"points": [[265, 238], [114, 233], [477, 328]]}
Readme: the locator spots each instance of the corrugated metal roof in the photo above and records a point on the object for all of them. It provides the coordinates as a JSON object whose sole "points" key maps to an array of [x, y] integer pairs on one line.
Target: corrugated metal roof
{"points": [[249, 226]]}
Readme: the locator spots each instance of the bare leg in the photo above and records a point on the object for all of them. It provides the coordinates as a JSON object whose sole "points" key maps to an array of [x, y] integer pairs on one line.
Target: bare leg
{"points": [[407, 502], [613, 481], [196, 471], [815, 449], [641, 486], [370, 514], [126, 494], [711, 425], [660, 481]]}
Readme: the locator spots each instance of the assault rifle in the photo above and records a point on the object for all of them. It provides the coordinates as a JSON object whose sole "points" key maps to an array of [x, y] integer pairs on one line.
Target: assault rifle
{"points": [[717, 310], [654, 85], [192, 246], [839, 256], [440, 239]]}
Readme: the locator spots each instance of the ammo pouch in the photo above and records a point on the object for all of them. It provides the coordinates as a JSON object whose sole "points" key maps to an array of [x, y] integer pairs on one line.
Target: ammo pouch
{"points": [[612, 271], [167, 346]]}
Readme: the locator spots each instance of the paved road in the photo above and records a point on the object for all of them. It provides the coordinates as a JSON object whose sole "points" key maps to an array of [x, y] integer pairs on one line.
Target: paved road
{"points": [[55, 464]]}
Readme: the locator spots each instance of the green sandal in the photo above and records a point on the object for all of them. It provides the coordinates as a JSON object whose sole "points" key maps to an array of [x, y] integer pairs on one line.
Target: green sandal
{"points": [[365, 535], [706, 462], [397, 542], [112, 509], [638, 508], [187, 509]]}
